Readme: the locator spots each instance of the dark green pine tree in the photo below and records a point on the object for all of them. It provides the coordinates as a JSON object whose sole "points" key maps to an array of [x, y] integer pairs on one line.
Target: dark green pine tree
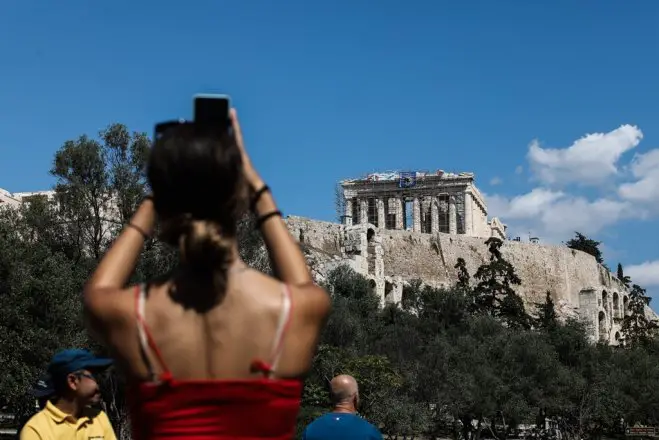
{"points": [[622, 277], [546, 317], [494, 294], [582, 243], [637, 329], [463, 283]]}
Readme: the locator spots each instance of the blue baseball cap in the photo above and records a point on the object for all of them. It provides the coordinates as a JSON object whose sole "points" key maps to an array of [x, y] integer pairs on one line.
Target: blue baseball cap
{"points": [[74, 359], [43, 387]]}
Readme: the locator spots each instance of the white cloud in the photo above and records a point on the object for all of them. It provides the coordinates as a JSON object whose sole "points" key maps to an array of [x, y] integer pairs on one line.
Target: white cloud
{"points": [[555, 215], [554, 212], [519, 169], [588, 161], [644, 274], [645, 168], [531, 205], [496, 181]]}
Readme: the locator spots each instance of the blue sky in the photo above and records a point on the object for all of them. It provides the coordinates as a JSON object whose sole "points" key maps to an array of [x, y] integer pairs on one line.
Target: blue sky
{"points": [[329, 90]]}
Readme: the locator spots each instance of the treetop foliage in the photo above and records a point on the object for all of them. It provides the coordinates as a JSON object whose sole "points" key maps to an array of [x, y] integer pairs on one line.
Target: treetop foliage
{"points": [[582, 243]]}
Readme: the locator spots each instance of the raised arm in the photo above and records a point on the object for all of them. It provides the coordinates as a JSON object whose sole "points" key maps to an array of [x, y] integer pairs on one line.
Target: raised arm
{"points": [[119, 261], [285, 255], [102, 306]]}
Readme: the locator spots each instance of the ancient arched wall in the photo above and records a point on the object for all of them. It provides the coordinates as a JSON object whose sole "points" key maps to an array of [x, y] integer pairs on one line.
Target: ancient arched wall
{"points": [[576, 281]]}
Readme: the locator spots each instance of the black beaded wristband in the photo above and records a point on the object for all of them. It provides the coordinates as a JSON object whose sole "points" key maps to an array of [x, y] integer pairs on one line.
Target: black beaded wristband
{"points": [[257, 196], [263, 218]]}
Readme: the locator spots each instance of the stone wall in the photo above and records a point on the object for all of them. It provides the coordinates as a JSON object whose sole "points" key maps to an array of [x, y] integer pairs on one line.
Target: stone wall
{"points": [[390, 258], [561, 270], [6, 199], [324, 236]]}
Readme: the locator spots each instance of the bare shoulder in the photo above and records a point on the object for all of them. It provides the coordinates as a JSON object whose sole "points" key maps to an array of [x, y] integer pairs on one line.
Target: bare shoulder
{"points": [[312, 301], [108, 308]]}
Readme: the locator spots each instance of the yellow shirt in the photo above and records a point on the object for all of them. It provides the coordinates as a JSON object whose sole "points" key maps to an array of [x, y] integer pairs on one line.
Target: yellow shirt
{"points": [[52, 424]]}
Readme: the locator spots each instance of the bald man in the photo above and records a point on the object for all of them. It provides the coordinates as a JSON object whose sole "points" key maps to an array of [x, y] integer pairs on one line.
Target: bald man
{"points": [[343, 422]]}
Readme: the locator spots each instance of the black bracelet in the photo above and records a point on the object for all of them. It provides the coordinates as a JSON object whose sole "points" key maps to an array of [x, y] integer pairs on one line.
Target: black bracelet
{"points": [[147, 197], [138, 229], [263, 218], [257, 195]]}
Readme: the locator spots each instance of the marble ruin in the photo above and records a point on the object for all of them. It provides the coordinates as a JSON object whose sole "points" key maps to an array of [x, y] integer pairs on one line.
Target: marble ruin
{"points": [[422, 202]]}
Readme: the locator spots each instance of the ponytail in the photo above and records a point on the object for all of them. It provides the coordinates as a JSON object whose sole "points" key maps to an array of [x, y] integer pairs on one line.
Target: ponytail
{"points": [[203, 249]]}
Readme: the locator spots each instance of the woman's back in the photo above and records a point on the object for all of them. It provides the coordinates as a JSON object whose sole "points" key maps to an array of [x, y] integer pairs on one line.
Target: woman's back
{"points": [[217, 372], [253, 320], [217, 350]]}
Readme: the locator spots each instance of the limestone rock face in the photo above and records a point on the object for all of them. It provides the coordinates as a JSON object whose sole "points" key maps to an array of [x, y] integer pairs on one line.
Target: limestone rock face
{"points": [[389, 258]]}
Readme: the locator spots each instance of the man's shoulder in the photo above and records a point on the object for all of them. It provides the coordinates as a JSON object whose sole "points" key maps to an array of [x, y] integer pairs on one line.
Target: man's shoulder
{"points": [[318, 420], [353, 420], [375, 431], [368, 425], [34, 425], [36, 419]]}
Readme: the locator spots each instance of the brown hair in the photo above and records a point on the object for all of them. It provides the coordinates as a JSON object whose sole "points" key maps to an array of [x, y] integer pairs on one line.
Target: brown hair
{"points": [[199, 193]]}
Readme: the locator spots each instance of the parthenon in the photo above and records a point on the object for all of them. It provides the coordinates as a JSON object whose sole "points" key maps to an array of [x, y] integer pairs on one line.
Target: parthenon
{"points": [[422, 202]]}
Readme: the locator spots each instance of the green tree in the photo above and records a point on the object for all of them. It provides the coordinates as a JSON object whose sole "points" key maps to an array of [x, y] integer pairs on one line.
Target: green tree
{"points": [[626, 280], [352, 323], [546, 317], [636, 371], [582, 243], [98, 186], [39, 302], [637, 329], [464, 280], [494, 294]]}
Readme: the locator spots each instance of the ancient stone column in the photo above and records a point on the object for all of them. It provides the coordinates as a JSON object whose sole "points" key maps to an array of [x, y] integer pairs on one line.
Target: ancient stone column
{"points": [[452, 216], [416, 215], [380, 203], [434, 215], [400, 213], [363, 211], [348, 212], [469, 223]]}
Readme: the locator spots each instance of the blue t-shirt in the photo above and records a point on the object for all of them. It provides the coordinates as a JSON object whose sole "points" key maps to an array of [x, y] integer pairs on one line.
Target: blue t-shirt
{"points": [[341, 426]]}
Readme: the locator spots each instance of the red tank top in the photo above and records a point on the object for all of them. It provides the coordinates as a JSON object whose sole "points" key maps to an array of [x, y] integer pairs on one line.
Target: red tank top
{"points": [[248, 409]]}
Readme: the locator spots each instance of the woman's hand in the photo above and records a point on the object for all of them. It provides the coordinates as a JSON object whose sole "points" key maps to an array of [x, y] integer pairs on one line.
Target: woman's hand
{"points": [[251, 175]]}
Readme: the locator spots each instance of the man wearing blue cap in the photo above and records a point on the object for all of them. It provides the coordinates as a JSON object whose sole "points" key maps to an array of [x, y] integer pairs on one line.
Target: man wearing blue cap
{"points": [[74, 388]]}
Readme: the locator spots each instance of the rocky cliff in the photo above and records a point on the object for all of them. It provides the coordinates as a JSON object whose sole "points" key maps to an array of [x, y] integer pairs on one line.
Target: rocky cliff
{"points": [[389, 258]]}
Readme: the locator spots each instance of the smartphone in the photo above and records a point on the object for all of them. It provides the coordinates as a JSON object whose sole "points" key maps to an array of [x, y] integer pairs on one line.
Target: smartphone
{"points": [[212, 110]]}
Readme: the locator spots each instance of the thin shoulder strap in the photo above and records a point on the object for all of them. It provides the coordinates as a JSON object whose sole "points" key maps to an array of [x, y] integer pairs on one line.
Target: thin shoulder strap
{"points": [[139, 322], [282, 326], [146, 339]]}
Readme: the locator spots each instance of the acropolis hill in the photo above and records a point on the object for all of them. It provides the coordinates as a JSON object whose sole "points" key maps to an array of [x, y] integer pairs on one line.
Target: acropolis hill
{"points": [[402, 226]]}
